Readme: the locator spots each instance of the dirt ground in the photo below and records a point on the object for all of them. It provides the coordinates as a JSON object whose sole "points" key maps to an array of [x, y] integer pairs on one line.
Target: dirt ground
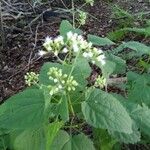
{"points": [[25, 34]]}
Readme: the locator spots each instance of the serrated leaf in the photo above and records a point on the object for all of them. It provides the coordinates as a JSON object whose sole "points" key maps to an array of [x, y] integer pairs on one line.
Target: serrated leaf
{"points": [[102, 110], [127, 138], [142, 117], [78, 142], [20, 111], [134, 45], [96, 40], [108, 68], [120, 64], [140, 92]]}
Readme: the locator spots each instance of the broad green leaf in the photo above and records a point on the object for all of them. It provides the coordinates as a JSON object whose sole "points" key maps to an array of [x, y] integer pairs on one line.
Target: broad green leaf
{"points": [[120, 64], [28, 140], [143, 31], [141, 115], [140, 92], [51, 132], [127, 138], [103, 140], [102, 110], [43, 77], [23, 110], [108, 68], [65, 27], [96, 40], [78, 142], [80, 72], [60, 140], [134, 45], [63, 108]]}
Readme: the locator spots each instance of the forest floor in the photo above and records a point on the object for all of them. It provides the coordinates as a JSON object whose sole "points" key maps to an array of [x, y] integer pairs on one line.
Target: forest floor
{"points": [[25, 33]]}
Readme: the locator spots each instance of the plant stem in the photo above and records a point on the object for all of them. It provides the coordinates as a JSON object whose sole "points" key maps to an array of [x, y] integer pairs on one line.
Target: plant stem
{"points": [[73, 14], [70, 105]]}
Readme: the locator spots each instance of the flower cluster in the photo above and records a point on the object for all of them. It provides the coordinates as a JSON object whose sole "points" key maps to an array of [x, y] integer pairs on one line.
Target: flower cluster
{"points": [[61, 81], [74, 44], [54, 45], [82, 17], [100, 82], [31, 78]]}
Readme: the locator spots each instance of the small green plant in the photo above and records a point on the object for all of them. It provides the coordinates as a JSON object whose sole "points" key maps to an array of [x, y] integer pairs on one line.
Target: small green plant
{"points": [[52, 113]]}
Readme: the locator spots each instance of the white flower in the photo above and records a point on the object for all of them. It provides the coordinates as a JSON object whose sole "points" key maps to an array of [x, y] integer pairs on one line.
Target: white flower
{"points": [[75, 47], [41, 53], [55, 80], [100, 51], [69, 35], [80, 38], [59, 39], [60, 87], [90, 54], [93, 61], [65, 50], [90, 44], [101, 58], [48, 40], [85, 54]]}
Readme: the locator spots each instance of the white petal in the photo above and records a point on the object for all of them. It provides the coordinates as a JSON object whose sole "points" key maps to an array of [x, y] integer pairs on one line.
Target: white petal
{"points": [[48, 39], [85, 54], [41, 53], [75, 48], [69, 35], [65, 50]]}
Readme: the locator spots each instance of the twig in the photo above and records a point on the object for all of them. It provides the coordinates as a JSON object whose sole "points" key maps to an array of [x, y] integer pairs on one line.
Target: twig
{"points": [[35, 42]]}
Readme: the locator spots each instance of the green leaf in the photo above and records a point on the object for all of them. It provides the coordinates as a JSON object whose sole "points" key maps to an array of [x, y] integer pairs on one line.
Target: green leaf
{"points": [[120, 64], [51, 132], [102, 110], [27, 140], [23, 110], [116, 35], [134, 45], [103, 140], [140, 92], [108, 68], [65, 27], [78, 142], [60, 140], [127, 138], [142, 117], [63, 108], [80, 72], [139, 114], [96, 40], [43, 77]]}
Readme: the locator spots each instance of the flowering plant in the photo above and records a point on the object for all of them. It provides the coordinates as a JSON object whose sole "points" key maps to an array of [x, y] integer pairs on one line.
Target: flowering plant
{"points": [[60, 102]]}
